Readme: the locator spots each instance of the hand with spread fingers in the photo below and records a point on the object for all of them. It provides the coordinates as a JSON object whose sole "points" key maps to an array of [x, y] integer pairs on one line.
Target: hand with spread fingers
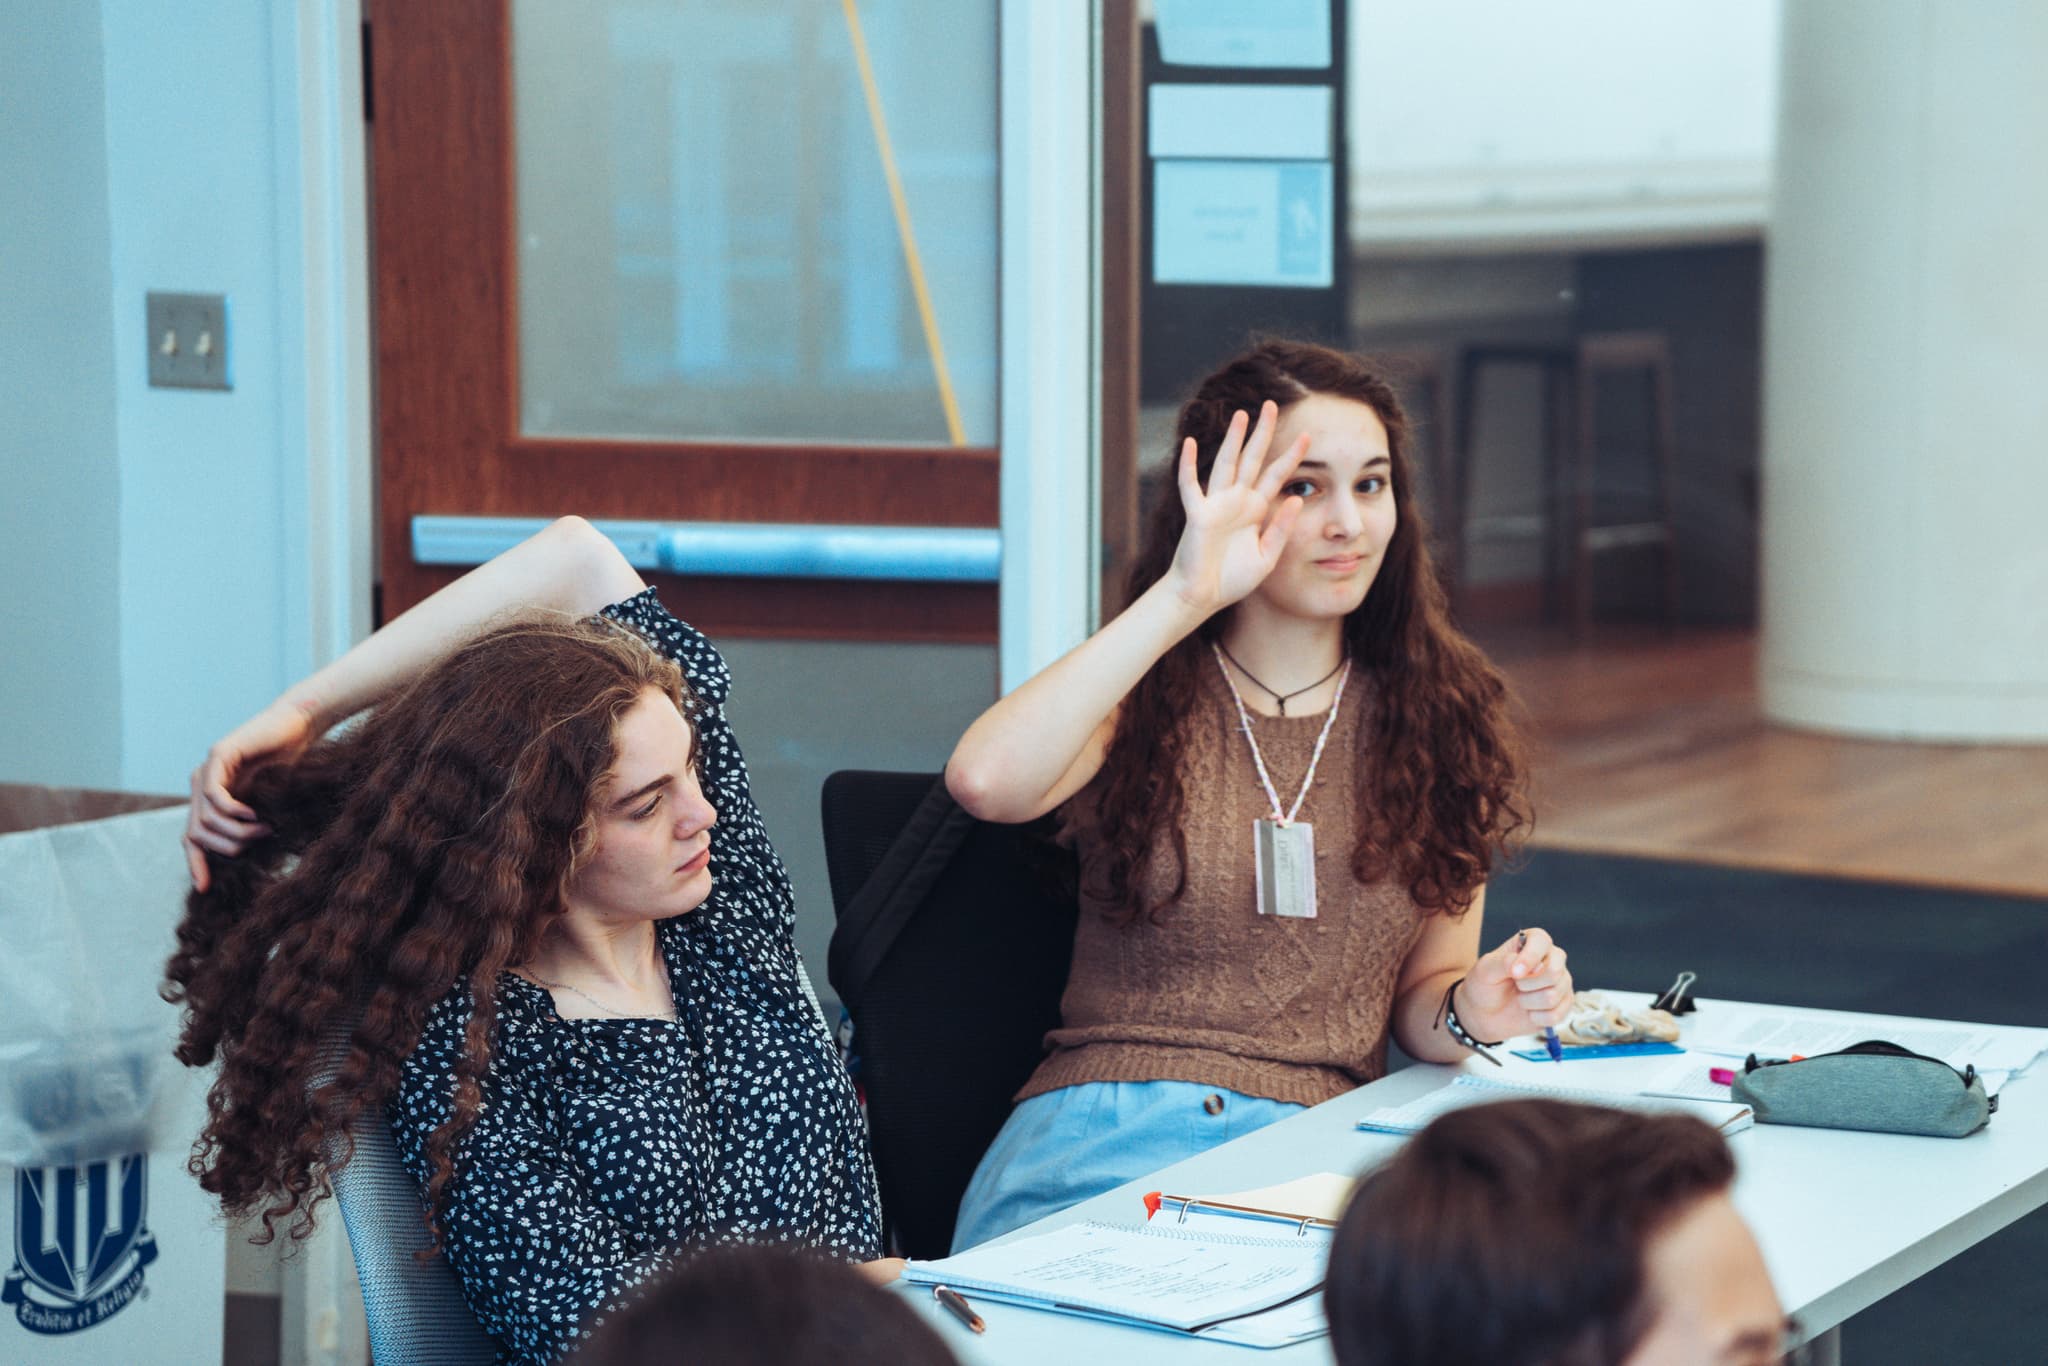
{"points": [[1522, 987], [1237, 527]]}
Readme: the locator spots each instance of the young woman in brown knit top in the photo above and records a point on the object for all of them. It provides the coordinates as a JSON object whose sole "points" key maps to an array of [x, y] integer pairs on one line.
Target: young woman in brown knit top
{"points": [[1286, 661]]}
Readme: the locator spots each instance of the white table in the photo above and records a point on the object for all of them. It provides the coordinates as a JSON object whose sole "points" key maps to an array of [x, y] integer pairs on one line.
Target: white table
{"points": [[1844, 1218]]}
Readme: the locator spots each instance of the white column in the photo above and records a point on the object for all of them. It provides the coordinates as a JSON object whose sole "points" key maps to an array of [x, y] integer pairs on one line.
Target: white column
{"points": [[1051, 541], [323, 199], [1905, 536]]}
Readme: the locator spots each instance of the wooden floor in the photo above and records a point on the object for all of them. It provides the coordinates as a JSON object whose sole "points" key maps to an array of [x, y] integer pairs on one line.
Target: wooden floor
{"points": [[1653, 744]]}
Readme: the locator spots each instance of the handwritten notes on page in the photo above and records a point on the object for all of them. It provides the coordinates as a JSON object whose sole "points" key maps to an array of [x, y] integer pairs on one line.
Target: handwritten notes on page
{"points": [[1156, 1274]]}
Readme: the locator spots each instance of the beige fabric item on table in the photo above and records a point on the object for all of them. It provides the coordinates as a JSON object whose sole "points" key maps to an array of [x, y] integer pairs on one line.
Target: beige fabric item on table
{"points": [[1597, 1020]]}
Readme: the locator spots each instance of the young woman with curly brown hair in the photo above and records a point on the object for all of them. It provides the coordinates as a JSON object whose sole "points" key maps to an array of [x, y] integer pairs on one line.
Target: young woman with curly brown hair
{"points": [[1287, 776], [529, 906]]}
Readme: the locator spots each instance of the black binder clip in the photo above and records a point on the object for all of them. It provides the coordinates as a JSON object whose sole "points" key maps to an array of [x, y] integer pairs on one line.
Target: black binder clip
{"points": [[1677, 997]]}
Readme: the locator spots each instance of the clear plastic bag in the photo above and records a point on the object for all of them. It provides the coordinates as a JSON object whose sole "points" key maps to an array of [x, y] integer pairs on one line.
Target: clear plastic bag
{"points": [[88, 917]]}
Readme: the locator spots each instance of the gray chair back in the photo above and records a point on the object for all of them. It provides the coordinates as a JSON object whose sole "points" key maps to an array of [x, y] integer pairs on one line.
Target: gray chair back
{"points": [[415, 1308], [416, 1312]]}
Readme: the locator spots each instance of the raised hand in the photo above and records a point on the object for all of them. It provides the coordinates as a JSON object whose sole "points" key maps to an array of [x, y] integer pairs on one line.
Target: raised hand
{"points": [[1520, 988], [1238, 526]]}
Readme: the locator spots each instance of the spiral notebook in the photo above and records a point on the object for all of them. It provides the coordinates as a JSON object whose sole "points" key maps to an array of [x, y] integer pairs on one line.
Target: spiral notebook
{"points": [[1727, 1116], [1154, 1276]]}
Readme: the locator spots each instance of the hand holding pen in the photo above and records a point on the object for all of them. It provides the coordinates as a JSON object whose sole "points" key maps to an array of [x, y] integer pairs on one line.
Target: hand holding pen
{"points": [[1550, 1043], [1522, 987]]}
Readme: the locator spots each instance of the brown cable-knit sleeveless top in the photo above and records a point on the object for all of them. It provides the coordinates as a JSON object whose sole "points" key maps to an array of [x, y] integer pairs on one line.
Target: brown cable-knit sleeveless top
{"points": [[1213, 992]]}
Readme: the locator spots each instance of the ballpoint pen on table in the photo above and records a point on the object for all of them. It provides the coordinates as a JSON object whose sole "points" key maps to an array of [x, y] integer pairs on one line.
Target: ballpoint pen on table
{"points": [[957, 1305], [1154, 1200]]}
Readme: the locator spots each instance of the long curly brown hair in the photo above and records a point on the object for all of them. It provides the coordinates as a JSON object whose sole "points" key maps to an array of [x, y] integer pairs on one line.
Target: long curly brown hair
{"points": [[425, 846], [1439, 790]]}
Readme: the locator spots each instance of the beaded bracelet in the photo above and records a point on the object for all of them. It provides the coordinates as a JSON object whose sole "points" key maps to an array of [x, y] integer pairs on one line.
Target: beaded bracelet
{"points": [[1447, 1017]]}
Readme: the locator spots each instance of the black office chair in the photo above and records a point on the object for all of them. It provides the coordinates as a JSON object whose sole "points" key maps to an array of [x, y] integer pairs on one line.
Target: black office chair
{"points": [[951, 952]]}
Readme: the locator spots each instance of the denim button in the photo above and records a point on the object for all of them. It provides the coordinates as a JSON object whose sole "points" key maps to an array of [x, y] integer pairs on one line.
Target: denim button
{"points": [[1214, 1104]]}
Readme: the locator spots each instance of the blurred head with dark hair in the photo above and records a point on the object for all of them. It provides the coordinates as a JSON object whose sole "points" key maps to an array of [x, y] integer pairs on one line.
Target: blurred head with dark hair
{"points": [[765, 1306], [1542, 1233]]}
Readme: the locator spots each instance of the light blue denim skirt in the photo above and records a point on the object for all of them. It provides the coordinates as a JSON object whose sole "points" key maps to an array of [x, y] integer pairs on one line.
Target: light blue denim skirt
{"points": [[1060, 1148]]}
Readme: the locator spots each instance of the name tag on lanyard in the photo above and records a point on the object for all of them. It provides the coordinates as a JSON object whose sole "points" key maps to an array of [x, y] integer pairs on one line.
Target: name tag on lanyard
{"points": [[1284, 868]]}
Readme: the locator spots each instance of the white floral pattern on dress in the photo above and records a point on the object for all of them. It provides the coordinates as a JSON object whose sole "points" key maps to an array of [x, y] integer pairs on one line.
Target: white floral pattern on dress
{"points": [[605, 1147]]}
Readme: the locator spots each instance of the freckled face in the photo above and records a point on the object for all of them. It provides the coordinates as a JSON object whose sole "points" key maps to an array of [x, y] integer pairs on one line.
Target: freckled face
{"points": [[1346, 484], [652, 853]]}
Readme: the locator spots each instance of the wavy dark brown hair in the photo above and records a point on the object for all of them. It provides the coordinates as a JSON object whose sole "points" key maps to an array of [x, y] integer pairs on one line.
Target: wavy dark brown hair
{"points": [[1439, 790], [426, 846], [1516, 1234]]}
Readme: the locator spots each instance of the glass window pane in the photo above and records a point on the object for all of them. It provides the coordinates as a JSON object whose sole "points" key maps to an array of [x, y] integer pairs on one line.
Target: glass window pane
{"points": [[708, 246]]}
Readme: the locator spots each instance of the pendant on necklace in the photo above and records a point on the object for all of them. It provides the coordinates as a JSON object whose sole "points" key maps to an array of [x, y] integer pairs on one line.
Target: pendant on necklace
{"points": [[1284, 868]]}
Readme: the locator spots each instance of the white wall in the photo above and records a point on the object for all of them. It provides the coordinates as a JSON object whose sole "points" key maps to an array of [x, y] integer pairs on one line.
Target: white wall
{"points": [[175, 557], [60, 613], [1500, 122], [191, 166]]}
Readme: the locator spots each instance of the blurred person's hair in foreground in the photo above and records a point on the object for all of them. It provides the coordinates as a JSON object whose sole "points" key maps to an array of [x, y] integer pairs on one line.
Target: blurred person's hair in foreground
{"points": [[1543, 1233], [765, 1306]]}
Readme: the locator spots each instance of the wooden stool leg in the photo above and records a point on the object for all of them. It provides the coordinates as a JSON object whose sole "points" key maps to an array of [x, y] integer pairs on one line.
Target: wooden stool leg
{"points": [[1584, 466], [1457, 497], [1444, 475], [1663, 385], [1645, 354], [1560, 456]]}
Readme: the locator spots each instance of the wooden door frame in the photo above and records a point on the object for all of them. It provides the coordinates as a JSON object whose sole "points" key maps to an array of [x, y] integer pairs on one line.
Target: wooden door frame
{"points": [[445, 285], [447, 324]]}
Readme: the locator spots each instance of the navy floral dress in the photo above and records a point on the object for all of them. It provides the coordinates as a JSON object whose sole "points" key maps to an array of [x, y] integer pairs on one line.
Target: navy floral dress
{"points": [[606, 1146]]}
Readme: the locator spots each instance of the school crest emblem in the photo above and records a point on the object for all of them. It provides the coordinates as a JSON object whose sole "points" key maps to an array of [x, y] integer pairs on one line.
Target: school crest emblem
{"points": [[80, 1243]]}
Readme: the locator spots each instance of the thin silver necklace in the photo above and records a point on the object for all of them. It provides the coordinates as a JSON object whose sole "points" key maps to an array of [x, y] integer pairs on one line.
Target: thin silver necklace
{"points": [[669, 1014]]}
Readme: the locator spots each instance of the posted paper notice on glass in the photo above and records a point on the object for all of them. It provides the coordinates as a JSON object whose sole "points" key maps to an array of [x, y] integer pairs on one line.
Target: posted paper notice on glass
{"points": [[1242, 184]]}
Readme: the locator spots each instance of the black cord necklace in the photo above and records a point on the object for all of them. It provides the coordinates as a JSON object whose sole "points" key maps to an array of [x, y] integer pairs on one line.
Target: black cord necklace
{"points": [[1278, 697]]}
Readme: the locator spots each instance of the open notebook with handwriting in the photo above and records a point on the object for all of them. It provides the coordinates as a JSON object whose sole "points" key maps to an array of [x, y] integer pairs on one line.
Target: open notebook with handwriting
{"points": [[1205, 1282]]}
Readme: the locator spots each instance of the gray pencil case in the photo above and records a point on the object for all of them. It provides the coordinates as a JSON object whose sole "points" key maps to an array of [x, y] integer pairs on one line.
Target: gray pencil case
{"points": [[1876, 1086]]}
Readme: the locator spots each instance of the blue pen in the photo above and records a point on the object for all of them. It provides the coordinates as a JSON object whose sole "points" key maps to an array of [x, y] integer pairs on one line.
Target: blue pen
{"points": [[1550, 1043]]}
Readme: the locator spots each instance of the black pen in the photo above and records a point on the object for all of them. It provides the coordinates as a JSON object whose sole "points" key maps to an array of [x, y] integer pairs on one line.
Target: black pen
{"points": [[957, 1305]]}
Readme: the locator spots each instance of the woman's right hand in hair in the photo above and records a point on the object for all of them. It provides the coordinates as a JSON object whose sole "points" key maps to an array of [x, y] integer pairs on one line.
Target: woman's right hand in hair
{"points": [[219, 820], [1237, 527], [568, 566]]}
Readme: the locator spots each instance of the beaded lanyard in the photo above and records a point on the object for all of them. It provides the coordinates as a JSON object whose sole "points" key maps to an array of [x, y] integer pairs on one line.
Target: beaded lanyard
{"points": [[1283, 849]]}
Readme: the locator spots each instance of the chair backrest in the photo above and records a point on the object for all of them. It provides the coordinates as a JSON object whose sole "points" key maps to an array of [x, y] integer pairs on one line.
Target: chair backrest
{"points": [[415, 1309], [951, 952]]}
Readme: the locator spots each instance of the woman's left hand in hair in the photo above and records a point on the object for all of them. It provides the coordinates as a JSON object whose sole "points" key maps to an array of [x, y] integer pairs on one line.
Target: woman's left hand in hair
{"points": [[1520, 988]]}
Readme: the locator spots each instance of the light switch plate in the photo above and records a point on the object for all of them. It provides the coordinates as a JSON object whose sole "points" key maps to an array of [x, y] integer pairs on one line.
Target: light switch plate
{"points": [[188, 341]]}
